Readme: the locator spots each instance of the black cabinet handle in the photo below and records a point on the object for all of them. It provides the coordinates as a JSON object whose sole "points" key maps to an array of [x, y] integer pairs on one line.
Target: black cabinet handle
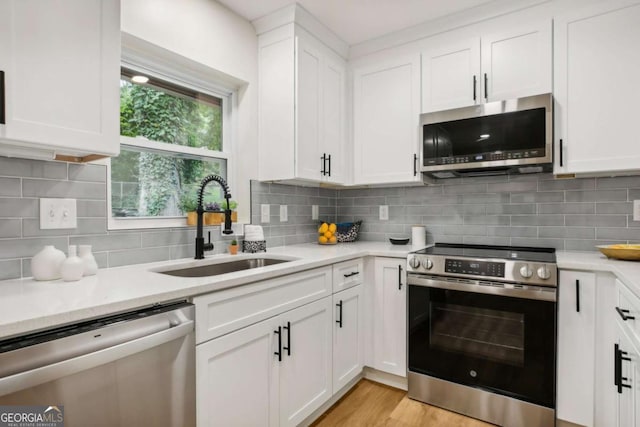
{"points": [[486, 84], [400, 277], [618, 357], [2, 106], [279, 352], [323, 171], [329, 159], [288, 347], [353, 273], [339, 321], [415, 164], [578, 296], [623, 314], [475, 82], [561, 153]]}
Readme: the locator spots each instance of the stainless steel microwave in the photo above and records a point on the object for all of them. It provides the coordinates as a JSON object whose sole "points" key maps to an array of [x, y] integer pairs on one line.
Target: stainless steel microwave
{"points": [[513, 136]]}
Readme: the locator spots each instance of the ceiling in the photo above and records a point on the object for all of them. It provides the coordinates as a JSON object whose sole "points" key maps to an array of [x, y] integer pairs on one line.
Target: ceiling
{"points": [[355, 21]]}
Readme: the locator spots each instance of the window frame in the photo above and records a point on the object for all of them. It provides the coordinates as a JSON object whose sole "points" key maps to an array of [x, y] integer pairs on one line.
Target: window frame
{"points": [[174, 71]]}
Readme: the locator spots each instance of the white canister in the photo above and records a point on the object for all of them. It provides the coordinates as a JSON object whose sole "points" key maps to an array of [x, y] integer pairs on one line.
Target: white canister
{"points": [[73, 267], [418, 237], [45, 265], [90, 264]]}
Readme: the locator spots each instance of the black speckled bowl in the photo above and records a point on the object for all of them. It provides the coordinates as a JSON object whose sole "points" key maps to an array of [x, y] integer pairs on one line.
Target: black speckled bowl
{"points": [[399, 240]]}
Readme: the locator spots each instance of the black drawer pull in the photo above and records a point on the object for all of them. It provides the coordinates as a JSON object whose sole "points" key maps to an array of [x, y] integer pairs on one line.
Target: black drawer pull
{"points": [[400, 277], [578, 296], [415, 164], [561, 154], [486, 88], [351, 274], [2, 96], [618, 357], [623, 314], [279, 352], [339, 321], [475, 81], [288, 347]]}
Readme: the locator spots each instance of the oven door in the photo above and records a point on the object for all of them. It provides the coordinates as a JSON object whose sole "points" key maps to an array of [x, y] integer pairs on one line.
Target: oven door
{"points": [[503, 344]]}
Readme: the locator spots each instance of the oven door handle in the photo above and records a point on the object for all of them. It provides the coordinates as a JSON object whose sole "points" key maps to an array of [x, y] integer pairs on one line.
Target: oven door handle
{"points": [[536, 293]]}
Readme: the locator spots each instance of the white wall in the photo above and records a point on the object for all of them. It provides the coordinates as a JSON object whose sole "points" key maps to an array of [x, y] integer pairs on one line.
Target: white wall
{"points": [[209, 33]]}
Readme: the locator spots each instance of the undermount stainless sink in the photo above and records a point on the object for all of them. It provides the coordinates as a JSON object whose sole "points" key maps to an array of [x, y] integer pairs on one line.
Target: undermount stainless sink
{"points": [[224, 267]]}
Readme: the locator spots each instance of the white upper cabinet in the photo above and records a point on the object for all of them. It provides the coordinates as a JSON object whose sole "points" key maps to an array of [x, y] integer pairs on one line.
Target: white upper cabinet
{"points": [[494, 67], [596, 69], [386, 109], [61, 64], [301, 108], [451, 76]]}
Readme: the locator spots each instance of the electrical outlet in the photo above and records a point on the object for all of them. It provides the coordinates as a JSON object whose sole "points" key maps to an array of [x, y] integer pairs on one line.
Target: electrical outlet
{"points": [[636, 210], [315, 212], [265, 213], [58, 214], [283, 213], [384, 212]]}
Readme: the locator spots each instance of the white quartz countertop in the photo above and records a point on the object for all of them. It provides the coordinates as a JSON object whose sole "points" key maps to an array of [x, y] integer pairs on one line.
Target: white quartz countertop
{"points": [[27, 305]]}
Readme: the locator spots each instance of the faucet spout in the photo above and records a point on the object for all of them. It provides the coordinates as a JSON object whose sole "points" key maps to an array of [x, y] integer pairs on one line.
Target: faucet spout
{"points": [[201, 247]]}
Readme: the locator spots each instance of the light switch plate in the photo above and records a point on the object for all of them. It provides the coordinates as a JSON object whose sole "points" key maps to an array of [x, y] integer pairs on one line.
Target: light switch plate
{"points": [[58, 214], [265, 213], [284, 216], [384, 212], [636, 210], [315, 212]]}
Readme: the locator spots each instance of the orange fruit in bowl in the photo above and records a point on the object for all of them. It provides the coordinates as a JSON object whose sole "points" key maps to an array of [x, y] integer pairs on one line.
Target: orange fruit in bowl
{"points": [[332, 228], [322, 240], [333, 239], [328, 234], [323, 228]]}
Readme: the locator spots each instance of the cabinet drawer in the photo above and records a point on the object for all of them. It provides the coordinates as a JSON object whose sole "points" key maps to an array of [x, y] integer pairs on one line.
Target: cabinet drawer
{"points": [[347, 274], [628, 307], [225, 311]]}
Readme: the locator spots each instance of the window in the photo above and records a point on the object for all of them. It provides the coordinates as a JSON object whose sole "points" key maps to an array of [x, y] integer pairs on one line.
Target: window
{"points": [[172, 136]]}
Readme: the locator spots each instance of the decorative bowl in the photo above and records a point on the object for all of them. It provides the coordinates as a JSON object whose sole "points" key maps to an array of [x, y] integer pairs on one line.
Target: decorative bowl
{"points": [[399, 240], [621, 251]]}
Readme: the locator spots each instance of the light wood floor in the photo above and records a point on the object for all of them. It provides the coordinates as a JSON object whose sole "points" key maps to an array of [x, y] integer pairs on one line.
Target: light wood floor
{"points": [[373, 404]]}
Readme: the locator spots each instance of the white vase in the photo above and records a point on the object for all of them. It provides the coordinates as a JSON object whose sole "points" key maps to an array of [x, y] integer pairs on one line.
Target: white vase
{"points": [[45, 265], [73, 267], [90, 264]]}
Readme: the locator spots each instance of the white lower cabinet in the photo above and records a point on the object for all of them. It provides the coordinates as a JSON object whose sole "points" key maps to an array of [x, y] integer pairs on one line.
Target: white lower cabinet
{"points": [[390, 316], [348, 336], [275, 372]]}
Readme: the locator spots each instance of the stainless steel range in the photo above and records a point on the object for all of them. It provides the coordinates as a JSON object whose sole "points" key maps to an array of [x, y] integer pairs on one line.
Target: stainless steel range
{"points": [[482, 331]]}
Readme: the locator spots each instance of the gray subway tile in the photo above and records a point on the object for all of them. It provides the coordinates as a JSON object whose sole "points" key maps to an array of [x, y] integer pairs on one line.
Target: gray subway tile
{"points": [[528, 220], [10, 269], [513, 187], [567, 232], [18, 208], [629, 234], [166, 238], [10, 187], [63, 189], [436, 219], [487, 219], [424, 210], [182, 251], [10, 228], [31, 228], [538, 197], [478, 240], [91, 208], [109, 242], [538, 243], [90, 173], [22, 248], [618, 182], [634, 194], [465, 189], [614, 208], [32, 168], [587, 245], [596, 196], [515, 209], [138, 256], [512, 231], [486, 198], [596, 220], [466, 230], [567, 184], [566, 208]]}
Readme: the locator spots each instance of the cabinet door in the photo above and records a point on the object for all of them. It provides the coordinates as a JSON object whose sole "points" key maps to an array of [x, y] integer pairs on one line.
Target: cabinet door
{"points": [[237, 378], [627, 396], [348, 336], [451, 76], [386, 112], [596, 69], [576, 346], [390, 312], [517, 63], [308, 108], [62, 68], [305, 373], [333, 117]]}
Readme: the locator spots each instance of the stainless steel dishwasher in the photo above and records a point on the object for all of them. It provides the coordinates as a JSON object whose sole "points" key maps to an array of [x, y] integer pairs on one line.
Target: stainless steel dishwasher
{"points": [[130, 369]]}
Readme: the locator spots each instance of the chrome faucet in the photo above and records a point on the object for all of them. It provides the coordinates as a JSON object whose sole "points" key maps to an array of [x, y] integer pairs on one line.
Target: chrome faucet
{"points": [[201, 246]]}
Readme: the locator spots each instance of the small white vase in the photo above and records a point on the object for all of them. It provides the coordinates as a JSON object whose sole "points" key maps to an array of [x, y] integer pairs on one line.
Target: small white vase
{"points": [[45, 265], [90, 264], [73, 267]]}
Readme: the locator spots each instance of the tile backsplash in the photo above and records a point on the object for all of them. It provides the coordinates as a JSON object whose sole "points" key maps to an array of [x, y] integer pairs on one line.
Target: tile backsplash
{"points": [[529, 210]]}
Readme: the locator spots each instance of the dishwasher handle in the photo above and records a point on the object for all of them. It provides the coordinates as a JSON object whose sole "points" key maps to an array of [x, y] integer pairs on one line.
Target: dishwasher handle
{"points": [[44, 374]]}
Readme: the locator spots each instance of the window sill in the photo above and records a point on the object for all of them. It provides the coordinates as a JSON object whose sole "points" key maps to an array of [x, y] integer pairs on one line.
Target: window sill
{"points": [[132, 223]]}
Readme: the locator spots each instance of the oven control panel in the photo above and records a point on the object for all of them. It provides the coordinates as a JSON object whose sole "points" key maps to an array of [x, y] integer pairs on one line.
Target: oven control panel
{"points": [[474, 267]]}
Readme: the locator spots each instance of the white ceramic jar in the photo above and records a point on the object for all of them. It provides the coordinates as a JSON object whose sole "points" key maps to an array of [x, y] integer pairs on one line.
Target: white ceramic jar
{"points": [[90, 264], [45, 265], [73, 267]]}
